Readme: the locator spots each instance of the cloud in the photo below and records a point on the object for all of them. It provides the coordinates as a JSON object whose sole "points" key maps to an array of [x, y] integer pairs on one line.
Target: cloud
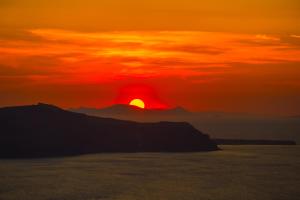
{"points": [[191, 48], [89, 57]]}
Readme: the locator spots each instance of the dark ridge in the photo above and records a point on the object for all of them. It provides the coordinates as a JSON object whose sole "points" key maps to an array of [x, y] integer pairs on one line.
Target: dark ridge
{"points": [[253, 142], [44, 131], [122, 109]]}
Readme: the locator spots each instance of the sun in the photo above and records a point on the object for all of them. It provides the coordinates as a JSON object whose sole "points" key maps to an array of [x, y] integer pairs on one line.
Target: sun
{"points": [[138, 103]]}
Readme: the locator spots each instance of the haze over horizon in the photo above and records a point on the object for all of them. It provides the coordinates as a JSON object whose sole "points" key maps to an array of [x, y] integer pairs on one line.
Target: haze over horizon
{"points": [[233, 56]]}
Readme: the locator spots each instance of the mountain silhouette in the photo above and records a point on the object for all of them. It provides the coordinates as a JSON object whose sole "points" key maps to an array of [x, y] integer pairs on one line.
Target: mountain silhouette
{"points": [[122, 109], [44, 130], [225, 125]]}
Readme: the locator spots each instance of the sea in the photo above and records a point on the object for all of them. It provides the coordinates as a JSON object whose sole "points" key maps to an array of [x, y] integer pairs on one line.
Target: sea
{"points": [[241, 172]]}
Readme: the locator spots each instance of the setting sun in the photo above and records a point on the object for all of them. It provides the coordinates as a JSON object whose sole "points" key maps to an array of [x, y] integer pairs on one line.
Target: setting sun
{"points": [[138, 103]]}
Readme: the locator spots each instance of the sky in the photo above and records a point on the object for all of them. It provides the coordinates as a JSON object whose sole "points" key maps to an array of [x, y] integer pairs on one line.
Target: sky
{"points": [[229, 56]]}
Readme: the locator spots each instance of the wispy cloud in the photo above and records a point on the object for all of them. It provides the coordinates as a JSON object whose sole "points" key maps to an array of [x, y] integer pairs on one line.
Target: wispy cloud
{"points": [[111, 55]]}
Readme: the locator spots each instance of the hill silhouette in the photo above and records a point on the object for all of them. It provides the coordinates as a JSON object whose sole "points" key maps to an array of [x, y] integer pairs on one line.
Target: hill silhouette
{"points": [[224, 125], [122, 109], [44, 130]]}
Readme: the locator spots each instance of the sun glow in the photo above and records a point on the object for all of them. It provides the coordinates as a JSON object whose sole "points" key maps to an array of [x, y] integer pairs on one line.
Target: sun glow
{"points": [[138, 103]]}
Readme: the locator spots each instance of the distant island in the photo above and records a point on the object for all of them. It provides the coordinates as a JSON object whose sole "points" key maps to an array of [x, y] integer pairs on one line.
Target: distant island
{"points": [[237, 128], [44, 130], [253, 142]]}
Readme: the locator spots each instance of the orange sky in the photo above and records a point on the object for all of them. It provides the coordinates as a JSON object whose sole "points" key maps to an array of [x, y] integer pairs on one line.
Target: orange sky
{"points": [[241, 56]]}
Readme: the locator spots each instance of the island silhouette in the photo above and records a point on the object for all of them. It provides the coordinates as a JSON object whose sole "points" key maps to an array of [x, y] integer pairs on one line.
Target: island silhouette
{"points": [[44, 130], [224, 127]]}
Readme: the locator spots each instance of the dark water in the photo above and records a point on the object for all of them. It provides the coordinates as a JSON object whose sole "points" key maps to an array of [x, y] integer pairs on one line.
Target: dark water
{"points": [[237, 172]]}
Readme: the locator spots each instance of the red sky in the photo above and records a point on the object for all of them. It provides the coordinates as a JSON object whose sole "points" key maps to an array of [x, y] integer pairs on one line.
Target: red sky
{"points": [[80, 59]]}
